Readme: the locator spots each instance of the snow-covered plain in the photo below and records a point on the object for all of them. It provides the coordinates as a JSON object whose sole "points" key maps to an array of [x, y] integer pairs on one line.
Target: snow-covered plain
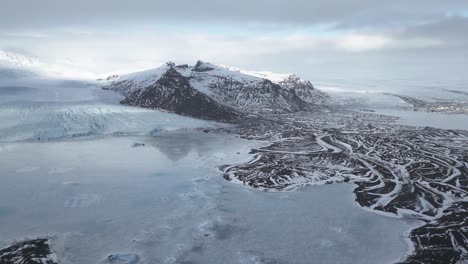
{"points": [[103, 179]]}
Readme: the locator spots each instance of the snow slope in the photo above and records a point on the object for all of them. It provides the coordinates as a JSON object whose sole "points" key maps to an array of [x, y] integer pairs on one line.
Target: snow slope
{"points": [[14, 60], [14, 66]]}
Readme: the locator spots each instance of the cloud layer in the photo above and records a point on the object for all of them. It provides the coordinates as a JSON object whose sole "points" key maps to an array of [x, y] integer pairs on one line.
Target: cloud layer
{"points": [[346, 13], [100, 37]]}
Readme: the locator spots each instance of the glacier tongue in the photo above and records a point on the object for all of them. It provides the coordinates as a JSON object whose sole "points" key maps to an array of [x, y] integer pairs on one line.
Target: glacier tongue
{"points": [[46, 120], [51, 109]]}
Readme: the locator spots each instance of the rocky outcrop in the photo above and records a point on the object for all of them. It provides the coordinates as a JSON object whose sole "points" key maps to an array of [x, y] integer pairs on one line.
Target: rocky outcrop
{"points": [[304, 90], [35, 251]]}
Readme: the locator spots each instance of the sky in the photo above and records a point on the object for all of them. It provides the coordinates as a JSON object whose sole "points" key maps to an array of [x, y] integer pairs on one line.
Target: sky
{"points": [[314, 38]]}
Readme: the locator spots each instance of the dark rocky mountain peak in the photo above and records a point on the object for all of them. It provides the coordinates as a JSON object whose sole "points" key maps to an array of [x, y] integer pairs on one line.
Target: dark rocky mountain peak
{"points": [[202, 67], [173, 92]]}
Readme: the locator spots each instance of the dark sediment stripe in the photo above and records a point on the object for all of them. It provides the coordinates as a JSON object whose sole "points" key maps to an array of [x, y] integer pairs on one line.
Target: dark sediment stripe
{"points": [[36, 251], [397, 170]]}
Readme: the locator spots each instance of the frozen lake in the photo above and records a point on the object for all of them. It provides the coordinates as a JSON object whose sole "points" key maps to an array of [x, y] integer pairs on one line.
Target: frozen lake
{"points": [[167, 202]]}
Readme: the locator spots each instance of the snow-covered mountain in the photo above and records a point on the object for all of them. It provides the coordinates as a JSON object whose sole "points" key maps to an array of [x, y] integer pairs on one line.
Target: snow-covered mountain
{"points": [[173, 92], [216, 87], [14, 65], [304, 89], [15, 60]]}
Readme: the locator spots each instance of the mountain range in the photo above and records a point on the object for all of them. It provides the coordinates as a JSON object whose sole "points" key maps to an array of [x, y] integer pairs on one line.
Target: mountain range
{"points": [[214, 92]]}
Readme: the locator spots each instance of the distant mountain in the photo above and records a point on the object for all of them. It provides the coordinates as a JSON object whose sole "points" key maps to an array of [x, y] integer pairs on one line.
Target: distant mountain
{"points": [[220, 90], [18, 61], [15, 66], [304, 89]]}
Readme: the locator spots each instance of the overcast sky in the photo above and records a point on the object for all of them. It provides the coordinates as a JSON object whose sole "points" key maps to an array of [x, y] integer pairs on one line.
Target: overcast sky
{"points": [[313, 38]]}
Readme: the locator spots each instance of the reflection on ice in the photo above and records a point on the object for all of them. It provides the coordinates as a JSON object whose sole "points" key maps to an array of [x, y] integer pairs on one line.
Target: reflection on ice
{"points": [[178, 144]]}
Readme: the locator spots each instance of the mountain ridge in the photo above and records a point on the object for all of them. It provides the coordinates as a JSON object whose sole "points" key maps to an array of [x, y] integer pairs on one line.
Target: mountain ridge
{"points": [[220, 87], [176, 95]]}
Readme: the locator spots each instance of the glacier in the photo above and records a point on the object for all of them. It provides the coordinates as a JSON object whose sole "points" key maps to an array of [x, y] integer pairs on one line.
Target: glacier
{"points": [[93, 175]]}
